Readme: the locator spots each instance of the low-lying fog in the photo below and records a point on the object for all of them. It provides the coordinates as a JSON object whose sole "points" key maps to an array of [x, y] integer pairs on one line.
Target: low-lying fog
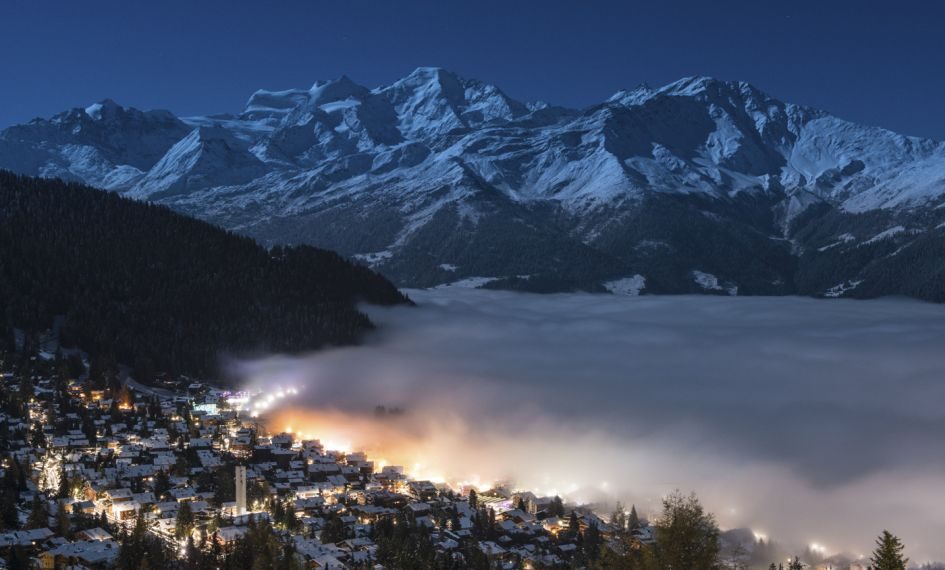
{"points": [[806, 420]]}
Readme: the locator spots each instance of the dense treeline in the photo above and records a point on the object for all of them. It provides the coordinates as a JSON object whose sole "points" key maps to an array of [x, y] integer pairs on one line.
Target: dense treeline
{"points": [[160, 291], [740, 239], [910, 262], [662, 237]]}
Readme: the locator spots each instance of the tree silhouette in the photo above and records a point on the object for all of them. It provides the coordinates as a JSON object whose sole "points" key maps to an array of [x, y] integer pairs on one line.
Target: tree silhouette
{"points": [[888, 554]]}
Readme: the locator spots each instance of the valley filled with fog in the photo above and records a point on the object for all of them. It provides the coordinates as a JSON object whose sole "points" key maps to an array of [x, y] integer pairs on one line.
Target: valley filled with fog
{"points": [[806, 420]]}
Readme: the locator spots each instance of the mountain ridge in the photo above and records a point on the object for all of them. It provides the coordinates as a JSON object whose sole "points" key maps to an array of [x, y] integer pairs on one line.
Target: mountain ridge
{"points": [[437, 179]]}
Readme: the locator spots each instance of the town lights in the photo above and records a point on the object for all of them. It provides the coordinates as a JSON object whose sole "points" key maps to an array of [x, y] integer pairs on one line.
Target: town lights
{"points": [[257, 403]]}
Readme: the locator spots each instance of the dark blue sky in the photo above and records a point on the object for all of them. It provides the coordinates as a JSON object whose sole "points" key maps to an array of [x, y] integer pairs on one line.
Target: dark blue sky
{"points": [[874, 62]]}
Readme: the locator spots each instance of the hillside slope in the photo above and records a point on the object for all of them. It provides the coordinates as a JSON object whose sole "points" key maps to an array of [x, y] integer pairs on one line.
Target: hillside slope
{"points": [[161, 291]]}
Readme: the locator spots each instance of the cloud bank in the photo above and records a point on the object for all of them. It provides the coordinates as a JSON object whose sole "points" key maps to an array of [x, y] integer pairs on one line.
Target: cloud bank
{"points": [[807, 420]]}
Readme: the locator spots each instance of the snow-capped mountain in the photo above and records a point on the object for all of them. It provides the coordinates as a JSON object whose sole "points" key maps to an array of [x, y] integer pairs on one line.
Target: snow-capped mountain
{"points": [[698, 186]]}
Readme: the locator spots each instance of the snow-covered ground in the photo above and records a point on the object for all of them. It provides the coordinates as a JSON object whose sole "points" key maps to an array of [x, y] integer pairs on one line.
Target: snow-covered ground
{"points": [[841, 239], [706, 280], [840, 289], [627, 286], [374, 257], [885, 234], [467, 283]]}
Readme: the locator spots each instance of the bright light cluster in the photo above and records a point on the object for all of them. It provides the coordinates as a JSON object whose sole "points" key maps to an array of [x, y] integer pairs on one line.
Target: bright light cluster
{"points": [[259, 402]]}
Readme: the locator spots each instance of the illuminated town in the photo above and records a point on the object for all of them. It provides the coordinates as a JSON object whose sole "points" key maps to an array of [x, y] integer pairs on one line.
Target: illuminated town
{"points": [[90, 463], [193, 466], [491, 285]]}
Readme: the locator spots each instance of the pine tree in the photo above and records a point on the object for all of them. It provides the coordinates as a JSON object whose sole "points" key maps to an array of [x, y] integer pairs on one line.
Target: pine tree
{"points": [[888, 553], [20, 474], [592, 542], [574, 526], [191, 553], [65, 524], [162, 484], [225, 489], [9, 517], [633, 520], [619, 519], [39, 516], [185, 520], [557, 507], [64, 491]]}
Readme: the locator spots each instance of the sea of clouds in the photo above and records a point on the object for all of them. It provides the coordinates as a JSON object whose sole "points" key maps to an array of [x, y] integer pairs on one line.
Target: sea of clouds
{"points": [[807, 420]]}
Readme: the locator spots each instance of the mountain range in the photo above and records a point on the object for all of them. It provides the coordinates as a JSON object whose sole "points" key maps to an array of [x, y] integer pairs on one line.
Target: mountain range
{"points": [[699, 186]]}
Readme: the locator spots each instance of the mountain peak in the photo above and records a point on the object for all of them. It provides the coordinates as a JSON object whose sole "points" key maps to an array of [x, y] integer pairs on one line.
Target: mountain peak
{"points": [[336, 90], [693, 85], [709, 86], [264, 104], [428, 80], [431, 73], [102, 108], [342, 81], [631, 96], [433, 101]]}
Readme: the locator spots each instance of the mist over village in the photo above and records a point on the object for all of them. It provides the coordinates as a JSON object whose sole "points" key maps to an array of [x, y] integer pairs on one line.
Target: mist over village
{"points": [[491, 286]]}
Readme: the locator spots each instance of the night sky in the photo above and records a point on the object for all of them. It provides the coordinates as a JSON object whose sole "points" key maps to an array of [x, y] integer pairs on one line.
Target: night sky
{"points": [[872, 62]]}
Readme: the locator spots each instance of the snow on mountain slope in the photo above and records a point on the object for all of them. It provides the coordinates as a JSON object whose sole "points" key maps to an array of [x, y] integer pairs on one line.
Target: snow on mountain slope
{"points": [[208, 155], [730, 130], [405, 169], [431, 102], [105, 144]]}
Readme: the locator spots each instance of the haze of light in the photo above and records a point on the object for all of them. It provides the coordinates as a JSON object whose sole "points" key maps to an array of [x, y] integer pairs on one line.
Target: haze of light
{"points": [[806, 420]]}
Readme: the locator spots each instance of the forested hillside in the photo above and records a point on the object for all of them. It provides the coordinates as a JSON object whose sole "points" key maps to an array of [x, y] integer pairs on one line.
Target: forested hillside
{"points": [[163, 292]]}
